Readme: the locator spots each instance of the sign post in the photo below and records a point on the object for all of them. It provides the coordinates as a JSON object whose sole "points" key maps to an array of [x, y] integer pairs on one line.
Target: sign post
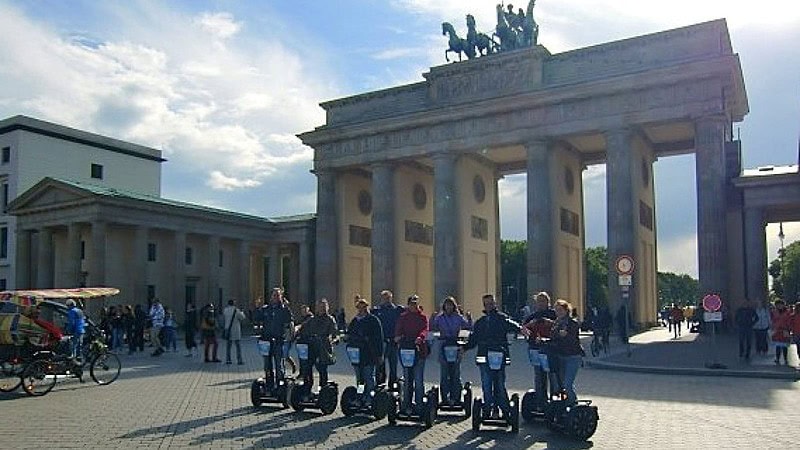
{"points": [[712, 304], [625, 265]]}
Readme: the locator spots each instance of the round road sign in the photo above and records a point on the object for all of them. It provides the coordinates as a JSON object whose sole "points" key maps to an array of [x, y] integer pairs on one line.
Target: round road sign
{"points": [[624, 265], [712, 303]]}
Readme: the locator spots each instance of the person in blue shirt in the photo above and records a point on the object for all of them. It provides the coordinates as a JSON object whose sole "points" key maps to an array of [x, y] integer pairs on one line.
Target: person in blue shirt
{"points": [[388, 312], [76, 327], [449, 324]]}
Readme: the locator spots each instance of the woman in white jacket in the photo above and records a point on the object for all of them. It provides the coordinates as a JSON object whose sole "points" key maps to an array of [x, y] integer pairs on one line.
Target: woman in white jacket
{"points": [[761, 329], [232, 332]]}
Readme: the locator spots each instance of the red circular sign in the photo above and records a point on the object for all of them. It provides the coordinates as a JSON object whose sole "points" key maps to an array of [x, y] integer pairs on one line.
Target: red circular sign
{"points": [[712, 303]]}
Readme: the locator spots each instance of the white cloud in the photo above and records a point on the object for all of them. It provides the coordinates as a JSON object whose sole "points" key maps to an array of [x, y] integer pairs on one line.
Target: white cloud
{"points": [[221, 24], [394, 53], [218, 180], [678, 255]]}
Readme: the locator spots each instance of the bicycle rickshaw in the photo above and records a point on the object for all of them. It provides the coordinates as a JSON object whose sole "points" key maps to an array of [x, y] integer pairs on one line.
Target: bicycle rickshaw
{"points": [[28, 359]]}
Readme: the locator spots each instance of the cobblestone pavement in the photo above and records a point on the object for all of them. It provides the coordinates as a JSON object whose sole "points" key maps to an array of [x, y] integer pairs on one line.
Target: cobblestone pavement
{"points": [[173, 402]]}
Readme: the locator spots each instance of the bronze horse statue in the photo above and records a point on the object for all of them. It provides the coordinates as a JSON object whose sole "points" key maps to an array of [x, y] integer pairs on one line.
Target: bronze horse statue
{"points": [[456, 44], [479, 42]]}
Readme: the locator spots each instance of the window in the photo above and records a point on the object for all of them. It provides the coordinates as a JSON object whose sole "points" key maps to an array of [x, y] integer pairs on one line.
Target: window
{"points": [[83, 250], [5, 196], [219, 296], [4, 242], [151, 251], [6, 155], [188, 258], [220, 257], [3, 284], [97, 171], [151, 291]]}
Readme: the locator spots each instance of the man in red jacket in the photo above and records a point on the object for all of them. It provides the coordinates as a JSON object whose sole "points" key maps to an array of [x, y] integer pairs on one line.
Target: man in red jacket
{"points": [[410, 332]]}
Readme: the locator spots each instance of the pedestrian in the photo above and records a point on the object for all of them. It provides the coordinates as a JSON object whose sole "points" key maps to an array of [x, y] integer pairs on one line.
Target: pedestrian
{"points": [[795, 326], [388, 312], [566, 342], [688, 313], [156, 324], [745, 318], [139, 324], [781, 331], [411, 331], [208, 328], [190, 328], [449, 323], [117, 327], [366, 333], [305, 314], [676, 317], [233, 331], [129, 322], [539, 323], [761, 329], [170, 331], [341, 320], [75, 328], [278, 322], [321, 329]]}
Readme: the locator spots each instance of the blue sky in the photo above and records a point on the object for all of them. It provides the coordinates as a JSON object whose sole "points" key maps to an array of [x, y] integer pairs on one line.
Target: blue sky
{"points": [[222, 87]]}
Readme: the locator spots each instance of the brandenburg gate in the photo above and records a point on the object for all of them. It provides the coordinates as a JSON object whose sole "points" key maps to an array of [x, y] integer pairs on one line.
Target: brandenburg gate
{"points": [[407, 176]]}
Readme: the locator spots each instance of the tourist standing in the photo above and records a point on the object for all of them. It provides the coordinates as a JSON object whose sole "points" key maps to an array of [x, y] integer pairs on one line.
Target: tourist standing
{"points": [[170, 331], [156, 324], [761, 329], [129, 322], [366, 333], [190, 328], [565, 339], [539, 323], [233, 332], [117, 327], [449, 323], [676, 317], [388, 312], [781, 331], [75, 328], [745, 318], [139, 324], [208, 328]]}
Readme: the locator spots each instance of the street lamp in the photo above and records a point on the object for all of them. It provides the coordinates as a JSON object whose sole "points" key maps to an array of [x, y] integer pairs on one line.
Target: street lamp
{"points": [[781, 237]]}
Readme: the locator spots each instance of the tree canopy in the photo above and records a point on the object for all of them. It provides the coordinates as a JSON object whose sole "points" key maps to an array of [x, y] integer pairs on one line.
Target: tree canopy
{"points": [[785, 273]]}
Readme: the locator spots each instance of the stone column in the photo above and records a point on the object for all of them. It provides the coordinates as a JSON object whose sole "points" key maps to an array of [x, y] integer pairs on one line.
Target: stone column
{"points": [[446, 227], [213, 270], [44, 259], [619, 195], [97, 264], [711, 220], [383, 228], [755, 251], [274, 267], [327, 242], [304, 272], [243, 280], [72, 261], [540, 219], [498, 288], [22, 260], [179, 276], [139, 264]]}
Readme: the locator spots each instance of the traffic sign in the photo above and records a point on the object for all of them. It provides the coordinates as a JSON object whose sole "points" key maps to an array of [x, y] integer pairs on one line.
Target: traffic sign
{"points": [[624, 265], [712, 303], [712, 316], [625, 280]]}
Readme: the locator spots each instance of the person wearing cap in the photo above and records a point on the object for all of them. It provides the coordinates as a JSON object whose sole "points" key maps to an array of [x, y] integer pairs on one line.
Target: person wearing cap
{"points": [[76, 327], [388, 312], [412, 326], [366, 332]]}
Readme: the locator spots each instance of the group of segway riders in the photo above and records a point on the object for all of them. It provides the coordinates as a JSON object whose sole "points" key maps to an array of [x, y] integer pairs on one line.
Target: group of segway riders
{"points": [[380, 337]]}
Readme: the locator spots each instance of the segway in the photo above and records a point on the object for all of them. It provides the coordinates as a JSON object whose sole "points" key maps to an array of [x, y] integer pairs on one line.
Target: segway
{"points": [[355, 399], [425, 413], [496, 360], [268, 389], [302, 395], [463, 404], [578, 420]]}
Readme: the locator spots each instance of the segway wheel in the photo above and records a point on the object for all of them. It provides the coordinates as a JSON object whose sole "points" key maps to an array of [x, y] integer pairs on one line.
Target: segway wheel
{"points": [[582, 422], [529, 406], [348, 397], [296, 398], [284, 393], [514, 416], [391, 415], [467, 401], [327, 399], [255, 392], [380, 405], [477, 414]]}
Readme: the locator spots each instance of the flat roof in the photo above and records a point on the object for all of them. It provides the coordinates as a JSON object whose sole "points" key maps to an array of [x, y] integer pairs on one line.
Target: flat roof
{"points": [[50, 129]]}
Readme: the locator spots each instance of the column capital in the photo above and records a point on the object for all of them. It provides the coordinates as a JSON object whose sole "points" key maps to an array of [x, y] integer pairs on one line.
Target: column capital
{"points": [[538, 141], [622, 130], [444, 156]]}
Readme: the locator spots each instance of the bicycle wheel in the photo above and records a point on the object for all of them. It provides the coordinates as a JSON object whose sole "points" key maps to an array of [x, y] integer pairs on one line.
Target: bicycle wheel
{"points": [[10, 375], [39, 378], [105, 368]]}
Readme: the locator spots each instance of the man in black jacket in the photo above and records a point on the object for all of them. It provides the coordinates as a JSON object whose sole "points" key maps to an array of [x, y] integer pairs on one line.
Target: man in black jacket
{"points": [[490, 333], [276, 319], [366, 333], [746, 317]]}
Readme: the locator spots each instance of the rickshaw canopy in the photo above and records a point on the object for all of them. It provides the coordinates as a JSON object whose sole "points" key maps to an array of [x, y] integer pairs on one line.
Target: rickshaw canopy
{"points": [[31, 297]]}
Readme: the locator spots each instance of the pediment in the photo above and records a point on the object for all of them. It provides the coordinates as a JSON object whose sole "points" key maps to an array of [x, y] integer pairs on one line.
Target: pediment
{"points": [[49, 193]]}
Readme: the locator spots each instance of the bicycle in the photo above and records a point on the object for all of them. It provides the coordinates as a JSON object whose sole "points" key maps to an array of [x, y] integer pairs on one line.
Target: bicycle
{"points": [[41, 375]]}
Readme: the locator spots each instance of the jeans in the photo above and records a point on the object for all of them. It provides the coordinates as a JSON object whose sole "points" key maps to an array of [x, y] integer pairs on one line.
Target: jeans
{"points": [[238, 351], [171, 338], [210, 343], [450, 380], [275, 359], [390, 357], [76, 346], [307, 373], [365, 375], [285, 349], [155, 338], [745, 342], [569, 370], [762, 345], [493, 383], [116, 338], [415, 382]]}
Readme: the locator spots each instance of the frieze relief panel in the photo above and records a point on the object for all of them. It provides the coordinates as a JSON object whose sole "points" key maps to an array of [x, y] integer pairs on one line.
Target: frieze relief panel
{"points": [[698, 92]]}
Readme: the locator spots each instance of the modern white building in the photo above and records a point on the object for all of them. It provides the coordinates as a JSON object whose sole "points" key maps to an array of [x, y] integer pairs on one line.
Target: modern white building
{"points": [[33, 149]]}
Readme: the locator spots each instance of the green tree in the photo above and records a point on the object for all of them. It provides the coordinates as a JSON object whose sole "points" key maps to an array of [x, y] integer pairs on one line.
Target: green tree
{"points": [[514, 270], [785, 272], [597, 276], [677, 288]]}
